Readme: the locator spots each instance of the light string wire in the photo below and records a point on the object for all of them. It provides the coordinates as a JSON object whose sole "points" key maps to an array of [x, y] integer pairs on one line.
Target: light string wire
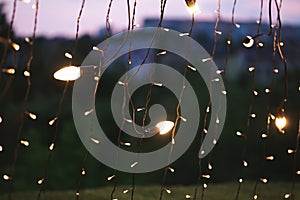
{"points": [[7, 41], [296, 152], [126, 89], [57, 117], [205, 120], [264, 137], [229, 38], [25, 104], [250, 107]]}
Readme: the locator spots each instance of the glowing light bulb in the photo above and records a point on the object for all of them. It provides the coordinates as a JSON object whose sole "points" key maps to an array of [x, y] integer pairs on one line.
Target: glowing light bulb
{"points": [[51, 147], [111, 177], [15, 46], [270, 158], [83, 172], [168, 191], [6, 177], [255, 196], [26, 73], [206, 176], [286, 196], [32, 116], [1, 148], [193, 7], [70, 73], [125, 191], [1, 120], [248, 42], [25, 143], [245, 163], [68, 55], [280, 123], [52, 121], [171, 169], [238, 133], [10, 71], [264, 180], [187, 196], [164, 126], [41, 181]]}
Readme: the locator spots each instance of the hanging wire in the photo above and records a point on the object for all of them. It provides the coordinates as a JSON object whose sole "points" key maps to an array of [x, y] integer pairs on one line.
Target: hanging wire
{"points": [[9, 35], [7, 42], [58, 113], [25, 103], [295, 172], [268, 107], [205, 120], [229, 38]]}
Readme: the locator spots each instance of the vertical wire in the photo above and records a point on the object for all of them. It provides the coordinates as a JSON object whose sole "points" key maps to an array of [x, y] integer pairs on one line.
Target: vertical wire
{"points": [[229, 38], [58, 113], [264, 145], [25, 101], [7, 42], [129, 60], [213, 52], [9, 34], [295, 159]]}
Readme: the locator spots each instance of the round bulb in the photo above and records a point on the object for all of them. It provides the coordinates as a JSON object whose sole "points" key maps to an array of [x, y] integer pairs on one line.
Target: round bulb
{"points": [[164, 127], [70, 73], [280, 123]]}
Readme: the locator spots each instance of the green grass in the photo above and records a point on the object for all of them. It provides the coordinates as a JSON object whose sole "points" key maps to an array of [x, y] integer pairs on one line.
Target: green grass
{"points": [[224, 191]]}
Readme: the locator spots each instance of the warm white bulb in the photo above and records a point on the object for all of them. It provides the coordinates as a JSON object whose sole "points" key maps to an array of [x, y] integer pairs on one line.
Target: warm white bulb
{"points": [[70, 73], [280, 123], [164, 127], [194, 9]]}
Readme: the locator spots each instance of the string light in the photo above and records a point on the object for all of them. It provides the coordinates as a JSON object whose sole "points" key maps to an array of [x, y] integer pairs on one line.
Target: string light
{"points": [[26, 73], [52, 121], [164, 127], [15, 46], [25, 143], [193, 7], [51, 147], [280, 123], [188, 196], [270, 158], [111, 177], [10, 71], [70, 73], [125, 191], [68, 55], [41, 181], [32, 115], [6, 177]]}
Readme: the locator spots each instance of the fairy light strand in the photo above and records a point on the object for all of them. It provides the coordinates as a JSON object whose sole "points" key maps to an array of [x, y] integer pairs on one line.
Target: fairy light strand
{"points": [[251, 103], [9, 35], [295, 172], [201, 170], [42, 186], [25, 104], [229, 38]]}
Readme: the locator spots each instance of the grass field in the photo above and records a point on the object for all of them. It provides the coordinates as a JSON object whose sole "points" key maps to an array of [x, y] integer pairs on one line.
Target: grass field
{"points": [[269, 191]]}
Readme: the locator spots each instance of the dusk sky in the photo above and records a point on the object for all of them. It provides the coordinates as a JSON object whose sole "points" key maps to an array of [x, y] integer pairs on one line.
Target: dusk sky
{"points": [[58, 17]]}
